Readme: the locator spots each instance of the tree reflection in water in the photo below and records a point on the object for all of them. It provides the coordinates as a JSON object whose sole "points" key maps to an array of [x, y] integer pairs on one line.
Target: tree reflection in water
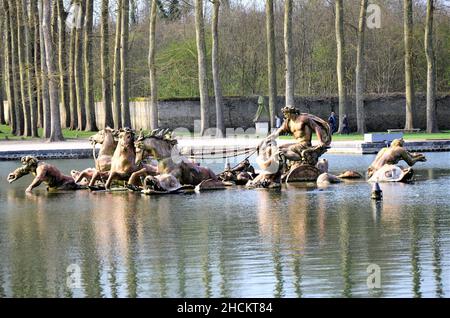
{"points": [[298, 242]]}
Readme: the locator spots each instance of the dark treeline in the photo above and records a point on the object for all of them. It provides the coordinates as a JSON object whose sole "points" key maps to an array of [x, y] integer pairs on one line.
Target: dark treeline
{"points": [[55, 63]]}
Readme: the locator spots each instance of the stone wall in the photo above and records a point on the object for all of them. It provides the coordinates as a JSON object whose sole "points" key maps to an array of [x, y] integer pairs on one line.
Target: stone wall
{"points": [[382, 111]]}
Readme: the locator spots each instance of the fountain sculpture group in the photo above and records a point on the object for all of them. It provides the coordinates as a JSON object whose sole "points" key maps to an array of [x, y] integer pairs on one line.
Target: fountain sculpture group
{"points": [[152, 163]]}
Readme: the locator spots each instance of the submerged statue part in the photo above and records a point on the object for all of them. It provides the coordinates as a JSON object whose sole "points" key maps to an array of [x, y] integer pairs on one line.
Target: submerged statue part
{"points": [[44, 173], [240, 174], [384, 167]]}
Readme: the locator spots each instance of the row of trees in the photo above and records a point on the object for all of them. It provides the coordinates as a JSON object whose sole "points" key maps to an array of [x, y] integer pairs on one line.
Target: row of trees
{"points": [[360, 62], [49, 69], [52, 75], [360, 67]]}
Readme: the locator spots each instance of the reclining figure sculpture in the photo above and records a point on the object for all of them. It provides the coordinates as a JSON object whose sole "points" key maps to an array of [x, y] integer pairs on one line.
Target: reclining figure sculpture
{"points": [[385, 169], [43, 172]]}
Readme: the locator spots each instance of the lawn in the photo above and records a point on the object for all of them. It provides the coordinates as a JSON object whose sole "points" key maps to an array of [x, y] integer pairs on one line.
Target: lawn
{"points": [[413, 136], [5, 133], [75, 134]]}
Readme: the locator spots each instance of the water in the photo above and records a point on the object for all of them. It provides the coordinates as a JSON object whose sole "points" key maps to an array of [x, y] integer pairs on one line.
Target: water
{"points": [[298, 242]]}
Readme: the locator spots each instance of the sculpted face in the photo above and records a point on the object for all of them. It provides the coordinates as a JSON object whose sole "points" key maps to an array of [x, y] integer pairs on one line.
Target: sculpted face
{"points": [[29, 164], [99, 137], [126, 138], [139, 145], [290, 112]]}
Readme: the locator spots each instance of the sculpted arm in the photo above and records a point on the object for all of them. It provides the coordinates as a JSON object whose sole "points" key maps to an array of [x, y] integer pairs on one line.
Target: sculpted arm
{"points": [[276, 133], [410, 158], [40, 177]]}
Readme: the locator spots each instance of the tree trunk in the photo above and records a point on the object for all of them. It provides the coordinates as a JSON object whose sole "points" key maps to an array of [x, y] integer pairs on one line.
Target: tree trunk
{"points": [[202, 73], [21, 41], [62, 65], [152, 68], [271, 63], [2, 78], [55, 132], [215, 70], [360, 69], [133, 12], [288, 53], [54, 20], [78, 69], [88, 68], [125, 104], [117, 114], [29, 68], [340, 62], [44, 78], [432, 125], [9, 70], [409, 82], [34, 16], [15, 72], [106, 83], [72, 89]]}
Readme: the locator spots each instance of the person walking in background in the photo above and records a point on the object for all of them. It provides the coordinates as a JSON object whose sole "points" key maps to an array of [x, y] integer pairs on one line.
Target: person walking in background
{"points": [[332, 121], [345, 125], [277, 121]]}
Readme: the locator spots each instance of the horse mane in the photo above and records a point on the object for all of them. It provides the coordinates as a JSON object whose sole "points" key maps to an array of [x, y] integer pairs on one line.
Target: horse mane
{"points": [[160, 134]]}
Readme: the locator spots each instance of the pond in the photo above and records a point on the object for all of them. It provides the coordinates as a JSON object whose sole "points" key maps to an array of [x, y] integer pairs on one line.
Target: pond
{"points": [[297, 242]]}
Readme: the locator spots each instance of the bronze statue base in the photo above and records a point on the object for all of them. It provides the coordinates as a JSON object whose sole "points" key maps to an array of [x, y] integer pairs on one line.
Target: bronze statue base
{"points": [[301, 173]]}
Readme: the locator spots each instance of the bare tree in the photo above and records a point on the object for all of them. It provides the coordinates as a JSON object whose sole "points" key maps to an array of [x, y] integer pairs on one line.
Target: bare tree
{"points": [[21, 41], [34, 30], [288, 53], [62, 64], [215, 69], [44, 77], [409, 80], [55, 133], [106, 83], [2, 79], [15, 72], [432, 125], [271, 63], [117, 114], [360, 69], [201, 56], [29, 68], [152, 68], [88, 68], [78, 70], [125, 104], [71, 73], [9, 76], [340, 62]]}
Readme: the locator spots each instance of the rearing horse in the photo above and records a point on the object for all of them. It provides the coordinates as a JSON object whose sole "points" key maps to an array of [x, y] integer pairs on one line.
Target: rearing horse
{"points": [[123, 162], [107, 139]]}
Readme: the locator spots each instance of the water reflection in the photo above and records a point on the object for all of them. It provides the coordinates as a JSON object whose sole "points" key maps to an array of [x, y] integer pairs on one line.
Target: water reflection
{"points": [[415, 255], [346, 258], [436, 245], [303, 242]]}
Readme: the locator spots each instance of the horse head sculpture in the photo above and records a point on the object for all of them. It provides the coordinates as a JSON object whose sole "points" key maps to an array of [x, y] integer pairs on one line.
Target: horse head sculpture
{"points": [[158, 144]]}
